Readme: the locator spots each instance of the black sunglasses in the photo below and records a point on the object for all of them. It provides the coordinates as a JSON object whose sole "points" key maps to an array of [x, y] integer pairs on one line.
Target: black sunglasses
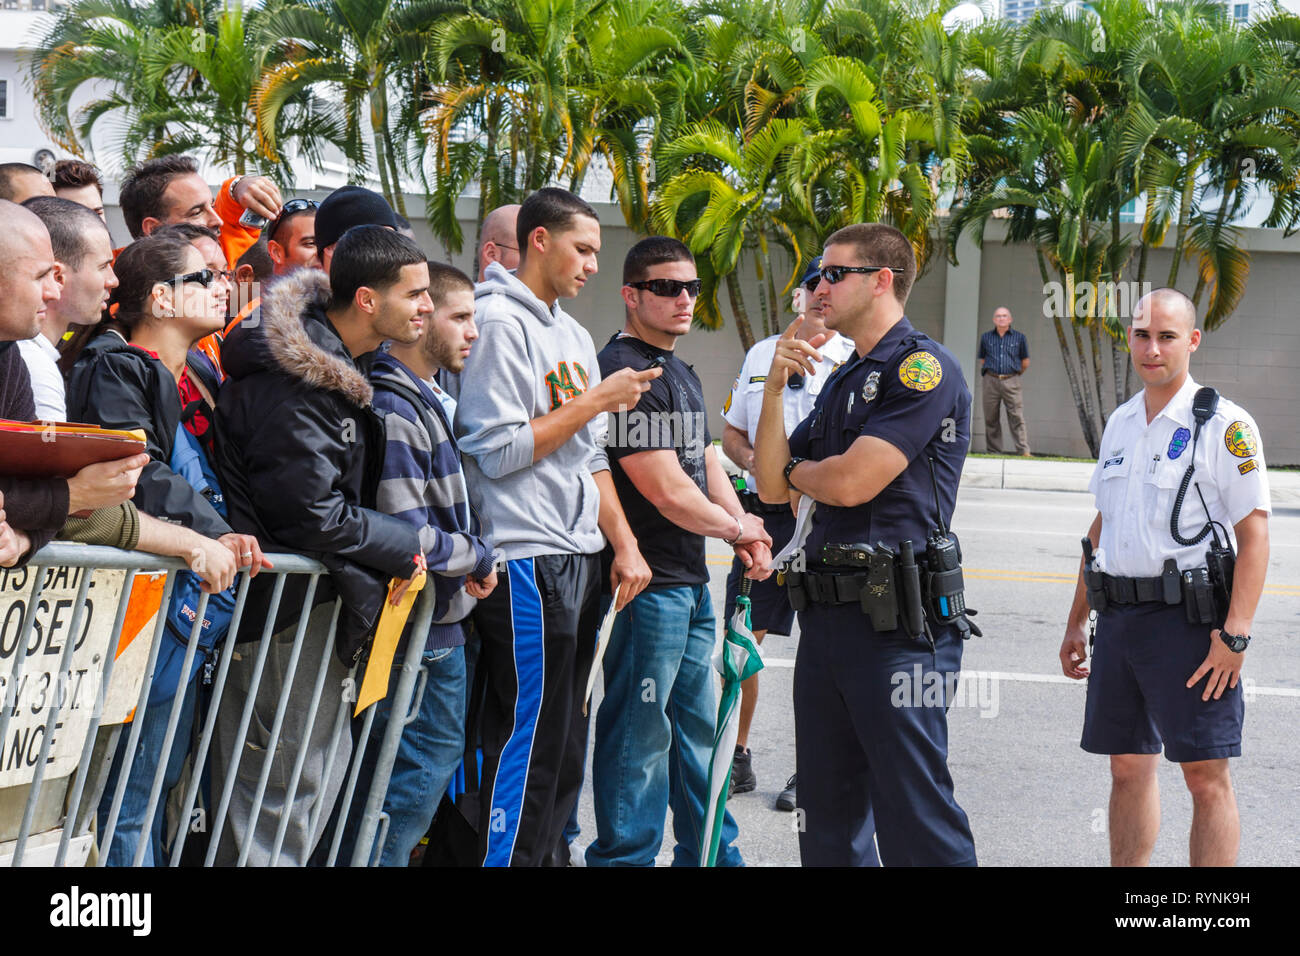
{"points": [[288, 209], [670, 288], [834, 274], [204, 277]]}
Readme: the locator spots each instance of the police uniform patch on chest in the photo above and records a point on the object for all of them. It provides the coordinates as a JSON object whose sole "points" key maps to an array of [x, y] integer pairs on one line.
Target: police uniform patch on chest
{"points": [[921, 372], [871, 387], [1240, 440], [1178, 444], [1246, 467]]}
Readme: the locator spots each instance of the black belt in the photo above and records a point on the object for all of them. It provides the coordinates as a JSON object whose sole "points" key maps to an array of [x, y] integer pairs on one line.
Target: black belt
{"points": [[755, 505], [1141, 590], [828, 588]]}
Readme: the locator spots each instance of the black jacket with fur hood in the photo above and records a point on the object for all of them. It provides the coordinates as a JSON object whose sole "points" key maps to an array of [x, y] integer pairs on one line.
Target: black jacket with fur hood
{"points": [[299, 452]]}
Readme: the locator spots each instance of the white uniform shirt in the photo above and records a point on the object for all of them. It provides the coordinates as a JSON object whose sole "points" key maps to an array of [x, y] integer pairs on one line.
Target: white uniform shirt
{"points": [[744, 403], [1141, 467], [42, 360]]}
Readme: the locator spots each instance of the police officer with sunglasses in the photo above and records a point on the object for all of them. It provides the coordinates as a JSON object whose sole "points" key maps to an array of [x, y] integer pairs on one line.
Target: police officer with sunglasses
{"points": [[877, 582], [771, 609]]}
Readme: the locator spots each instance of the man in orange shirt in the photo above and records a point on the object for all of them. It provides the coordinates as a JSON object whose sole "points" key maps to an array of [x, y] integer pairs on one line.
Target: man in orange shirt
{"points": [[169, 189]]}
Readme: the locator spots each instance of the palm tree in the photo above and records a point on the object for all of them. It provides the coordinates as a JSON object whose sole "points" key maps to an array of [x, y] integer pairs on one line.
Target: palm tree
{"points": [[357, 50], [546, 86], [106, 42], [1055, 176], [181, 79], [222, 68], [722, 201], [501, 73], [1215, 102]]}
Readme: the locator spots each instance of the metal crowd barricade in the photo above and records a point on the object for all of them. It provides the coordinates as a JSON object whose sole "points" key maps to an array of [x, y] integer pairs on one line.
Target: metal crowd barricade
{"points": [[75, 796]]}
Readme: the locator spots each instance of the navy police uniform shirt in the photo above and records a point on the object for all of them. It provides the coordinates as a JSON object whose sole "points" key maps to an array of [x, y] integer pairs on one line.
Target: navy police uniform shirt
{"points": [[909, 391]]}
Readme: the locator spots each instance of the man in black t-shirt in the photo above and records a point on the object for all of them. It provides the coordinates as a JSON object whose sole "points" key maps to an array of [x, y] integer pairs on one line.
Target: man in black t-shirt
{"points": [[658, 675]]}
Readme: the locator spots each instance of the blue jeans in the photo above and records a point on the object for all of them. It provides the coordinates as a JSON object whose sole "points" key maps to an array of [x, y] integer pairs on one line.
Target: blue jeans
{"points": [[654, 732], [428, 754], [135, 800]]}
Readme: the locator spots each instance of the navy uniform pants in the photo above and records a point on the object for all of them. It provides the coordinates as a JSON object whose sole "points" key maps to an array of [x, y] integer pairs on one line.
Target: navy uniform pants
{"points": [[867, 740]]}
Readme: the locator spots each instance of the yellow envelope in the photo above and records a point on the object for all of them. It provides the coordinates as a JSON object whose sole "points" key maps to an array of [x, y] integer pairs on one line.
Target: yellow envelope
{"points": [[374, 686]]}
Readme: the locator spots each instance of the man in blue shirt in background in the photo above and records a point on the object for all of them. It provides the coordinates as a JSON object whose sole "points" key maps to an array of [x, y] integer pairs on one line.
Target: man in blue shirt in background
{"points": [[1004, 357]]}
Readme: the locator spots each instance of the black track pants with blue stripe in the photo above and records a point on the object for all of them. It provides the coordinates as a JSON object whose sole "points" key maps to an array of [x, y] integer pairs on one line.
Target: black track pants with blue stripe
{"points": [[538, 632]]}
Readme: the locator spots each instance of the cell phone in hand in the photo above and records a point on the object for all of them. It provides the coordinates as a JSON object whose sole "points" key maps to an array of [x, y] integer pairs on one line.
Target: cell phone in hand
{"points": [[252, 220]]}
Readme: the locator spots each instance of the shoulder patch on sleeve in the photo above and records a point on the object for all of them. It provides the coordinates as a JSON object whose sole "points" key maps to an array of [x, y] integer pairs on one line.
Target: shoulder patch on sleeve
{"points": [[726, 405], [921, 371], [1246, 467], [1240, 440]]}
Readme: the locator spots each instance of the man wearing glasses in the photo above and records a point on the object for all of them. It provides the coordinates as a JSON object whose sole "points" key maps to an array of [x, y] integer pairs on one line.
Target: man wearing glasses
{"points": [[880, 644], [499, 243], [658, 677], [291, 237], [771, 609]]}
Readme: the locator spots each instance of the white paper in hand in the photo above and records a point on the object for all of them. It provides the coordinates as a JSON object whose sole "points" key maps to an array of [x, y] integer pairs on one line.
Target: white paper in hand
{"points": [[602, 641]]}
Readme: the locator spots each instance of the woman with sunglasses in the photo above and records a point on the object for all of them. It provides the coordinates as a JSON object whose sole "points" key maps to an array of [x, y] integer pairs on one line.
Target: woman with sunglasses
{"points": [[137, 373]]}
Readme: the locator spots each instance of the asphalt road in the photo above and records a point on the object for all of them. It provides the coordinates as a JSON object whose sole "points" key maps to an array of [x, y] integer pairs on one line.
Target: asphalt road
{"points": [[1033, 797]]}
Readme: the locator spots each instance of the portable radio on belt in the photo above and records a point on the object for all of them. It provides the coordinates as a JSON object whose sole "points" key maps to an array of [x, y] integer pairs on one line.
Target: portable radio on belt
{"points": [[1214, 582], [945, 587]]}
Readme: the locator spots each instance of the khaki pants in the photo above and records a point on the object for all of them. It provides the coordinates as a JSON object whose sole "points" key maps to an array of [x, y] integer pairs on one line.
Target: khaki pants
{"points": [[998, 391]]}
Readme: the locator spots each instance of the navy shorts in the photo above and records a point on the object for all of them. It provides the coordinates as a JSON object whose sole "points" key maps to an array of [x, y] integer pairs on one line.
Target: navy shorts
{"points": [[1138, 700], [769, 602]]}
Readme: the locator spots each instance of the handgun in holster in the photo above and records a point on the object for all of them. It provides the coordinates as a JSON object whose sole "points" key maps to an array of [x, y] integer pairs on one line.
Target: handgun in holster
{"points": [[1092, 579], [879, 596]]}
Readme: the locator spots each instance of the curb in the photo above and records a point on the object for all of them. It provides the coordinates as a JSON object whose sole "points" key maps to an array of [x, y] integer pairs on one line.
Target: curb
{"points": [[1025, 474]]}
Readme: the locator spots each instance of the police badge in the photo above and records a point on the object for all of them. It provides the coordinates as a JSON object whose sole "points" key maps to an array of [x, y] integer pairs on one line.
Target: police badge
{"points": [[871, 387]]}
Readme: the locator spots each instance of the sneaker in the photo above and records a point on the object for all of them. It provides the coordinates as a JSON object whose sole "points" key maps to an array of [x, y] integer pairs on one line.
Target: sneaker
{"points": [[742, 772], [786, 799]]}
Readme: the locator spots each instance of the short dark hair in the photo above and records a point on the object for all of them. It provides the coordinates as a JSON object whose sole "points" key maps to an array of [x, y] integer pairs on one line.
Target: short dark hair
{"points": [[76, 173], [444, 280], [369, 256], [11, 171], [142, 190], [551, 208], [187, 232], [260, 259], [653, 251], [273, 229], [878, 244], [68, 223]]}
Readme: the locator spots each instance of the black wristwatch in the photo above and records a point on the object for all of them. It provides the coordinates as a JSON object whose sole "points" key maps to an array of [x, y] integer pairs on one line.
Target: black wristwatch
{"points": [[1236, 642], [789, 468]]}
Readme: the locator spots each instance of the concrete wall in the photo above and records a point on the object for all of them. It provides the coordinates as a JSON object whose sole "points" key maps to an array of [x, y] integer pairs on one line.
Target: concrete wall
{"points": [[1254, 359]]}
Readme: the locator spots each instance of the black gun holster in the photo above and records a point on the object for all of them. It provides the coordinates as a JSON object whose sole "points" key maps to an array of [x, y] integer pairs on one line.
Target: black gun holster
{"points": [[873, 590]]}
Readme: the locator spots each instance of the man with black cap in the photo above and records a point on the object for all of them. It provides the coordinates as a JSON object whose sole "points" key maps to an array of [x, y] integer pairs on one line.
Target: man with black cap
{"points": [[771, 606], [344, 208]]}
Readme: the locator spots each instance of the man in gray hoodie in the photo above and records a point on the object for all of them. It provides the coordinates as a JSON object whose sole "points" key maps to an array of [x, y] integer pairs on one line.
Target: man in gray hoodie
{"points": [[530, 422]]}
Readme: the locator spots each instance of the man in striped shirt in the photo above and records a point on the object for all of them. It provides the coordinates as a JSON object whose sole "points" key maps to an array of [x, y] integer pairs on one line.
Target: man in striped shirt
{"points": [[1004, 358], [422, 483]]}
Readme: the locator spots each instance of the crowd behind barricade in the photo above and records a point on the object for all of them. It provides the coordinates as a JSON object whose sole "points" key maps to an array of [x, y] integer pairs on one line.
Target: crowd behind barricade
{"points": [[299, 390], [318, 386]]}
